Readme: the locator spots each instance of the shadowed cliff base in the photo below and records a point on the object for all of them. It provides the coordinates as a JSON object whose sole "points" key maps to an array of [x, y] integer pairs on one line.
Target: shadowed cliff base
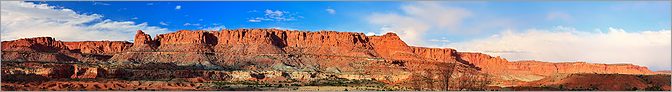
{"points": [[272, 59]]}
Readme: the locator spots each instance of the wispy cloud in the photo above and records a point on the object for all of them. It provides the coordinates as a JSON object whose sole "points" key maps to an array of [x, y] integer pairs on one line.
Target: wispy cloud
{"points": [[215, 28], [275, 15], [100, 3], [417, 18], [26, 19], [279, 15], [254, 20], [442, 40], [283, 28], [191, 24], [330, 11], [178, 7], [163, 23]]}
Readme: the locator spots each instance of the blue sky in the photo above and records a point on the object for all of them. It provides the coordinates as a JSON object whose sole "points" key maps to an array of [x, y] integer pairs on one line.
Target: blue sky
{"points": [[351, 16], [555, 31], [308, 15]]}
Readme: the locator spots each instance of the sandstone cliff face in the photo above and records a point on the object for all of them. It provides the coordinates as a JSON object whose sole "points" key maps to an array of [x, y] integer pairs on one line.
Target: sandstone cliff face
{"points": [[143, 42], [98, 47], [326, 43], [582, 67], [664, 72], [391, 46], [281, 55], [245, 41], [257, 41], [47, 49], [439, 54], [487, 63], [184, 41], [194, 46], [497, 65], [44, 49], [38, 44], [545, 68], [385, 58]]}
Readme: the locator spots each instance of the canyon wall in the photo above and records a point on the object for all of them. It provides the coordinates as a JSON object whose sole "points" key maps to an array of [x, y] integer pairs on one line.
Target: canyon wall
{"points": [[272, 41], [344, 54], [497, 65], [98, 47], [258, 41], [37, 44], [44, 49]]}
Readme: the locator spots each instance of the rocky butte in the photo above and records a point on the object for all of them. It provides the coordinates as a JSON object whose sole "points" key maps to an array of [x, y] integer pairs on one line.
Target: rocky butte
{"points": [[272, 59]]}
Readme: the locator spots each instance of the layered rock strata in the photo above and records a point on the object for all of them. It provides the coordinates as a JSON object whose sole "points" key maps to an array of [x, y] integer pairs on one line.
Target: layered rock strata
{"points": [[98, 47], [497, 65], [271, 55]]}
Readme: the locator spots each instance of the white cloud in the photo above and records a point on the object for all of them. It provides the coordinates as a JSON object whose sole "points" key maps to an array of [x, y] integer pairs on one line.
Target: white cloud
{"points": [[100, 3], [278, 15], [191, 24], [178, 7], [283, 28], [25, 20], [163, 23], [330, 11], [648, 48], [275, 15], [409, 29], [254, 20], [417, 18], [134, 18], [216, 28], [442, 40], [440, 16]]}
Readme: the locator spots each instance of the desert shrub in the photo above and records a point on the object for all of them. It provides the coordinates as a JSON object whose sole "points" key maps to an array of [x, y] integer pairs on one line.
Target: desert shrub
{"points": [[653, 88]]}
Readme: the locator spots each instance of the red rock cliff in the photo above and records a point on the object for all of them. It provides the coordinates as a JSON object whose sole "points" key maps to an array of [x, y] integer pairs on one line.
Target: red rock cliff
{"points": [[40, 44], [143, 42], [142, 39], [42, 49], [497, 65], [184, 41], [440, 54], [487, 63], [259, 41], [273, 41], [391, 46], [99, 47]]}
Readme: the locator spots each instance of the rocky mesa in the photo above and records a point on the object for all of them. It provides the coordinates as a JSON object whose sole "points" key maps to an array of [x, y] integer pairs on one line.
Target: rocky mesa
{"points": [[276, 57], [500, 65]]}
